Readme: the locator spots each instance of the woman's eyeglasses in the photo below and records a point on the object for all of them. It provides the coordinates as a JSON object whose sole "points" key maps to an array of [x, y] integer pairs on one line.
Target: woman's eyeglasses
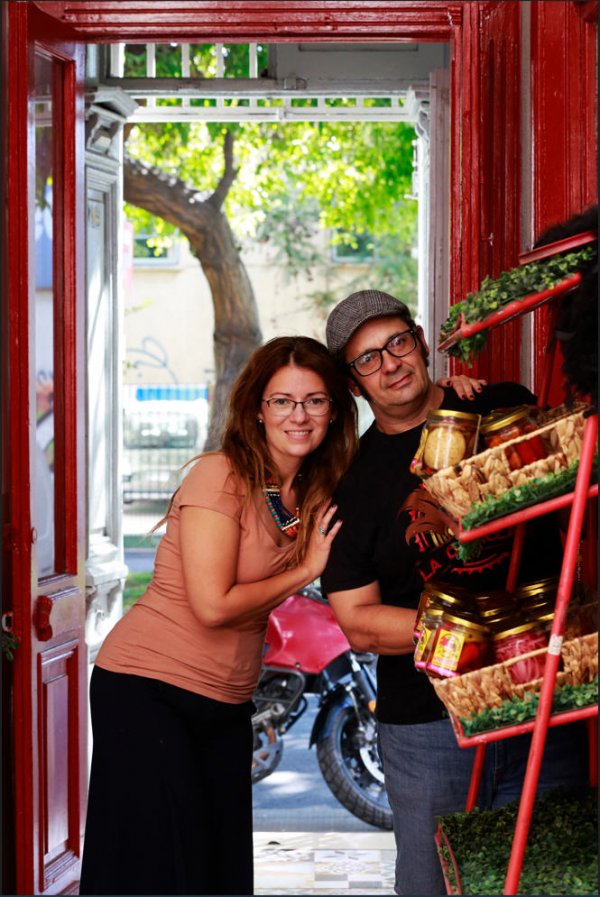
{"points": [[315, 406], [398, 345]]}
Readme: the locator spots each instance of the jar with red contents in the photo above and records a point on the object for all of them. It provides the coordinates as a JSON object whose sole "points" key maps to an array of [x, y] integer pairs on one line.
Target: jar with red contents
{"points": [[501, 427], [521, 639], [461, 645], [430, 620]]}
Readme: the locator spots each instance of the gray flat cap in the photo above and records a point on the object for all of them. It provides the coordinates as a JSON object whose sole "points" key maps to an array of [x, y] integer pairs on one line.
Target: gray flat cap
{"points": [[354, 310]]}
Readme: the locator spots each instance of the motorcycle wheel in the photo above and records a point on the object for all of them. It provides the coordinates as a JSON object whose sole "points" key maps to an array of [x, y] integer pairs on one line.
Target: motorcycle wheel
{"points": [[346, 763]]}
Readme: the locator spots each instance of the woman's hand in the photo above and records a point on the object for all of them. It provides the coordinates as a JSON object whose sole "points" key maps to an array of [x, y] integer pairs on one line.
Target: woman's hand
{"points": [[465, 387], [320, 541]]}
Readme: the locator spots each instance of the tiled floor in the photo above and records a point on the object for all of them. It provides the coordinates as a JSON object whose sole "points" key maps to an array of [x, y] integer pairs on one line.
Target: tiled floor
{"points": [[324, 863]]}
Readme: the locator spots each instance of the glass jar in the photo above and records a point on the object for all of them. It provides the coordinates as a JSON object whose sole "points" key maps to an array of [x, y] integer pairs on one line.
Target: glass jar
{"points": [[493, 602], [433, 596], [448, 438], [521, 639], [533, 592], [542, 615], [502, 426], [461, 645], [430, 620]]}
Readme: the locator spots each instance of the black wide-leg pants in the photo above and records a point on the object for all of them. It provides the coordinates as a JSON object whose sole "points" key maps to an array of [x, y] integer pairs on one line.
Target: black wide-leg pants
{"points": [[170, 797]]}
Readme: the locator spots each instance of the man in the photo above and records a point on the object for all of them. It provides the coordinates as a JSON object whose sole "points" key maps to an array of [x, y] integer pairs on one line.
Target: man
{"points": [[374, 578]]}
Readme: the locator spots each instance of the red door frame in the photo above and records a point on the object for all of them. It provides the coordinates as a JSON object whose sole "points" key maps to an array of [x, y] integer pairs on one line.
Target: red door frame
{"points": [[49, 671], [479, 207]]}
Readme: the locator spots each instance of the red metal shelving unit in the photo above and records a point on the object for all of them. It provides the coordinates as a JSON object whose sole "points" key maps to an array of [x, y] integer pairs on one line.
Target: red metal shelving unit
{"points": [[578, 499]]}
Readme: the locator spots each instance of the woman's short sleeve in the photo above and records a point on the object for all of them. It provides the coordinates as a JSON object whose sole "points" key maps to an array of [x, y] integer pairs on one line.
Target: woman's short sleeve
{"points": [[211, 484]]}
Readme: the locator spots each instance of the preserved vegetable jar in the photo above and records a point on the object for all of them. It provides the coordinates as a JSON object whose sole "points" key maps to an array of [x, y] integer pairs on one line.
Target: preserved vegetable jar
{"points": [[430, 620], [521, 639], [432, 596], [461, 645], [448, 437], [493, 602], [501, 427], [532, 594]]}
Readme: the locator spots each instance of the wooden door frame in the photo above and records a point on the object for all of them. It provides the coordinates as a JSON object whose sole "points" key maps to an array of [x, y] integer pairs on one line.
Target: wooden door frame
{"points": [[41, 667]]}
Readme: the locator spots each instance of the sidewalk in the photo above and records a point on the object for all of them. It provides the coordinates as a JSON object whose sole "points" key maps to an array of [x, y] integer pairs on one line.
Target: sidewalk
{"points": [[324, 863]]}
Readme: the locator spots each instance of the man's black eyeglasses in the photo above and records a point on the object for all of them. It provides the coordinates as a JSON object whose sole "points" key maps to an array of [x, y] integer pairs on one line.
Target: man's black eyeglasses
{"points": [[398, 345]]}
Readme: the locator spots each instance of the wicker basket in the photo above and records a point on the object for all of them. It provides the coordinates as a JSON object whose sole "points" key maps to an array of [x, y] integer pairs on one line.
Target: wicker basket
{"points": [[469, 694], [488, 473]]}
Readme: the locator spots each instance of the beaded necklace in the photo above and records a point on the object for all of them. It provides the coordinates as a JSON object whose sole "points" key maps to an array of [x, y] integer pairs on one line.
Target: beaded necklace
{"points": [[288, 523]]}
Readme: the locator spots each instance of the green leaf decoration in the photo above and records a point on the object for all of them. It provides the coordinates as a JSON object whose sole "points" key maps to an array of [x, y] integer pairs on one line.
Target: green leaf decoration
{"points": [[511, 285]]}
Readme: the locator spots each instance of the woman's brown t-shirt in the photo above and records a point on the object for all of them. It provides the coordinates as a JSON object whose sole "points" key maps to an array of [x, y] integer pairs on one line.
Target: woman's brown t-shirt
{"points": [[160, 637]]}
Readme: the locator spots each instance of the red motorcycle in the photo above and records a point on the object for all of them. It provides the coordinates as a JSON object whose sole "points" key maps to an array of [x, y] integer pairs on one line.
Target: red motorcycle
{"points": [[307, 653]]}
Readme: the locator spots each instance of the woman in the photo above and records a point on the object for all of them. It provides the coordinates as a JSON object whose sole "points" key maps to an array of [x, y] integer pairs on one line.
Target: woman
{"points": [[170, 799]]}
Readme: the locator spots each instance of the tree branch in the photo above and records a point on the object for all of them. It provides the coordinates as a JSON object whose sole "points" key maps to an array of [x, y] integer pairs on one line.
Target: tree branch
{"points": [[229, 175]]}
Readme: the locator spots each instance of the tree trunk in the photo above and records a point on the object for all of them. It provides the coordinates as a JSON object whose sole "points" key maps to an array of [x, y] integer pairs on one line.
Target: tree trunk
{"points": [[237, 331]]}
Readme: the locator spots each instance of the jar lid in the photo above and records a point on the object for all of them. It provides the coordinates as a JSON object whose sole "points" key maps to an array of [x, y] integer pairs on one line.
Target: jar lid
{"points": [[493, 599], [537, 604], [464, 621], [542, 585], [542, 618], [515, 630], [443, 413], [497, 420], [437, 595], [499, 612]]}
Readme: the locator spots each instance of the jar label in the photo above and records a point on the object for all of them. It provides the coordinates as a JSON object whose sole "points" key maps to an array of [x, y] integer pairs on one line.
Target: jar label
{"points": [[447, 649], [422, 644]]}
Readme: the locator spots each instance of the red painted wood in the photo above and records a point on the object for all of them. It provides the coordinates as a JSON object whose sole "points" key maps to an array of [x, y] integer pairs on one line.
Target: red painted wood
{"points": [[17, 516], [59, 684], [486, 167], [564, 129], [48, 801], [259, 20]]}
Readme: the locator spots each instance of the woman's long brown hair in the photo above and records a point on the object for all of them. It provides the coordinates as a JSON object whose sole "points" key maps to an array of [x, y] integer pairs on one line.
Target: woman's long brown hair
{"points": [[244, 441]]}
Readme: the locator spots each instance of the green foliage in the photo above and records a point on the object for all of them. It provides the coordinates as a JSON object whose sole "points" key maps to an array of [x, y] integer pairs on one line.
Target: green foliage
{"points": [[512, 285], [9, 644], [561, 855], [293, 179], [520, 710], [135, 586]]}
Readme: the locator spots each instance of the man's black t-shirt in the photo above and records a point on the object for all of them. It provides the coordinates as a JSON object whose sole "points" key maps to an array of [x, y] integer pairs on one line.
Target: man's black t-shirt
{"points": [[372, 546]]}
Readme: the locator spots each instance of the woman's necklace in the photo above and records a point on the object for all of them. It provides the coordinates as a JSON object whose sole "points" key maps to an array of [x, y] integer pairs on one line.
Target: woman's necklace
{"points": [[288, 523]]}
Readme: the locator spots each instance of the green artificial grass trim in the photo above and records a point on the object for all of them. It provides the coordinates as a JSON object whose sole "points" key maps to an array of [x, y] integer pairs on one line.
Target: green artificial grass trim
{"points": [[562, 847], [516, 710]]}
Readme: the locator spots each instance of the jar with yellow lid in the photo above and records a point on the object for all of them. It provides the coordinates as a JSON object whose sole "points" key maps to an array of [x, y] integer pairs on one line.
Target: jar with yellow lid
{"points": [[461, 645], [502, 426], [436, 596], [522, 639], [430, 621], [448, 438]]}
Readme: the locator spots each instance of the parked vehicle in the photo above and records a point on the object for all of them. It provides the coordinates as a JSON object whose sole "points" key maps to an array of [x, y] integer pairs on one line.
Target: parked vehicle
{"points": [[163, 427], [307, 653]]}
